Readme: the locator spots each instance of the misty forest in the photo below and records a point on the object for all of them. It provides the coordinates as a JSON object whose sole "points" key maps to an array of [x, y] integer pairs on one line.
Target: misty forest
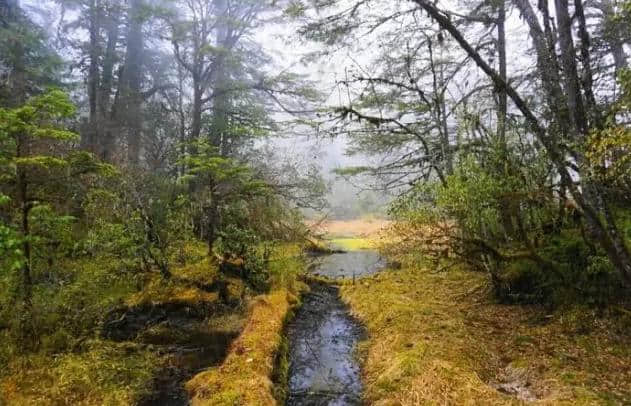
{"points": [[315, 202]]}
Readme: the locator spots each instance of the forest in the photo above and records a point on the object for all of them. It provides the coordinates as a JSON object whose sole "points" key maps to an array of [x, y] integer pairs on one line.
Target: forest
{"points": [[315, 202]]}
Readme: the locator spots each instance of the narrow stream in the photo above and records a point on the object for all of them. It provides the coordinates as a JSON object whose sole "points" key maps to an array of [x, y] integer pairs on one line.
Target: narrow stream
{"points": [[323, 369]]}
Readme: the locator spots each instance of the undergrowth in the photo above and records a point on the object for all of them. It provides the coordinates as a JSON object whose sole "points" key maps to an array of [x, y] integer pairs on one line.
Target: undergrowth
{"points": [[441, 338]]}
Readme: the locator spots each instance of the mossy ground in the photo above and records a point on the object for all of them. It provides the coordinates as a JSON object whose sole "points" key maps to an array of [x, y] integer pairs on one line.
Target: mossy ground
{"points": [[102, 373], [245, 377], [83, 370], [439, 338]]}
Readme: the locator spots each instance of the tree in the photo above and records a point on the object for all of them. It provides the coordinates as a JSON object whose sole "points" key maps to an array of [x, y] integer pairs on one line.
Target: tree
{"points": [[552, 116], [28, 134], [223, 182]]}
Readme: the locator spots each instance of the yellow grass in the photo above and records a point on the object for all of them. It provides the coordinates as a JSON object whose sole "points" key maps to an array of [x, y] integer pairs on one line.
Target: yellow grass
{"points": [[105, 374], [245, 376], [108, 373], [350, 228], [353, 244], [439, 339]]}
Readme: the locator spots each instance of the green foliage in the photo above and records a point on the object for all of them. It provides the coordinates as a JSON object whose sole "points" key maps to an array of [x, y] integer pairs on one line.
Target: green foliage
{"points": [[39, 117], [52, 234], [624, 78], [146, 223], [504, 224], [23, 46], [244, 245], [10, 250], [206, 164], [295, 9], [472, 196], [608, 150], [582, 277]]}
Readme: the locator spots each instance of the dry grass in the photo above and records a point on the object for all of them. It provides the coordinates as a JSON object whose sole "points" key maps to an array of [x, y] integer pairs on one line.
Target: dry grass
{"points": [[353, 244], [350, 228], [245, 376], [439, 339]]}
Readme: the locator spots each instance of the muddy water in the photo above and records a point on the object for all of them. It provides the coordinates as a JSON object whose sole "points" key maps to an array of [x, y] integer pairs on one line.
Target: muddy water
{"points": [[189, 339], [323, 368]]}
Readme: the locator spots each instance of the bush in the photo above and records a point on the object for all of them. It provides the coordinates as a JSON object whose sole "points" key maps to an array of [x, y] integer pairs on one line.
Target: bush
{"points": [[580, 276], [244, 245], [509, 224]]}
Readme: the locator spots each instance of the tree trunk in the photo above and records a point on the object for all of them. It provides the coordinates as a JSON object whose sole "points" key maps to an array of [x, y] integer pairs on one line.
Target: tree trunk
{"points": [[440, 110], [574, 100], [18, 79], [196, 119], [213, 214], [106, 143], [508, 208], [133, 82], [501, 93], [219, 136], [91, 140]]}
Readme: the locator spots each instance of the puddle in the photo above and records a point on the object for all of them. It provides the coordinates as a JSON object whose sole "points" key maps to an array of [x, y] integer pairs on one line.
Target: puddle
{"points": [[183, 363], [323, 336], [189, 339], [348, 264]]}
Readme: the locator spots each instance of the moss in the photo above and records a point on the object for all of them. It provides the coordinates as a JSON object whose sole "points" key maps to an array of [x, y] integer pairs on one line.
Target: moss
{"points": [[245, 377], [71, 367], [439, 338], [256, 362], [280, 376], [353, 244], [104, 374]]}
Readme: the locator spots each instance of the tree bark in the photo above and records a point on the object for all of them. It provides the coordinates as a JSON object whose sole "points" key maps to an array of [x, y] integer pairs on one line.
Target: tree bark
{"points": [[93, 77], [574, 100], [106, 142], [501, 93], [133, 82]]}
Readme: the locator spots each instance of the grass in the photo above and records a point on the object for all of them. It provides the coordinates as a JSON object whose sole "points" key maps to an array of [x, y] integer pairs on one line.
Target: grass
{"points": [[245, 376], [183, 287], [350, 228], [76, 369], [438, 338], [104, 374], [353, 243]]}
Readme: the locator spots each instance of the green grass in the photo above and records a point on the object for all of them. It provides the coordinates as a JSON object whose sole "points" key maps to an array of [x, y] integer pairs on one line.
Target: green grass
{"points": [[353, 243], [104, 373], [71, 366]]}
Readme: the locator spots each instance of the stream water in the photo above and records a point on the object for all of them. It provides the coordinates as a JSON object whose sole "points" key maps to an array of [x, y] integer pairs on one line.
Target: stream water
{"points": [[323, 368]]}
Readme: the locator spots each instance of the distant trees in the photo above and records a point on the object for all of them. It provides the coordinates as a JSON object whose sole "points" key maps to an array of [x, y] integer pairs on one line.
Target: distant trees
{"points": [[127, 135], [113, 58], [438, 100]]}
